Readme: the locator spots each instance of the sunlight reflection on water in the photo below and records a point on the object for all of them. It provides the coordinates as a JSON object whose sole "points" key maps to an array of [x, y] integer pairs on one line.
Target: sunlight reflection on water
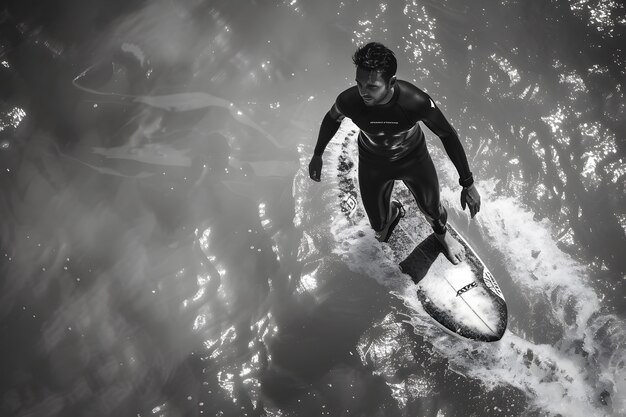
{"points": [[164, 251]]}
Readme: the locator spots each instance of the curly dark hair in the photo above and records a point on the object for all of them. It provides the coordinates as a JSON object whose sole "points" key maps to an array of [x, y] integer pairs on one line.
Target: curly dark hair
{"points": [[376, 56]]}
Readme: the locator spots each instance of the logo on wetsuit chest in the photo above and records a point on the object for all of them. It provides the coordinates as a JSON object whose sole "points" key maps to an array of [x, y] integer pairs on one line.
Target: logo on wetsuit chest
{"points": [[384, 123]]}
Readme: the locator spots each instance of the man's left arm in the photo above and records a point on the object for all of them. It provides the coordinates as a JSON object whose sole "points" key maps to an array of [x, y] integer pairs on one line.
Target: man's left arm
{"points": [[434, 119]]}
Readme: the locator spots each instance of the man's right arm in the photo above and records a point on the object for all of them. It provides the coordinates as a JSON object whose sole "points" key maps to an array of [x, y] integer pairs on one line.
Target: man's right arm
{"points": [[330, 125]]}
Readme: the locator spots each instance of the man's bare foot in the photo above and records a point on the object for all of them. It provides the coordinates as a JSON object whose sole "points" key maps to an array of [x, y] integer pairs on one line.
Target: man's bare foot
{"points": [[454, 251]]}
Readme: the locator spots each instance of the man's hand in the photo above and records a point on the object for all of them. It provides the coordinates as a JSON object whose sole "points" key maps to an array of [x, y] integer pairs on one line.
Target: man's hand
{"points": [[315, 168], [471, 198]]}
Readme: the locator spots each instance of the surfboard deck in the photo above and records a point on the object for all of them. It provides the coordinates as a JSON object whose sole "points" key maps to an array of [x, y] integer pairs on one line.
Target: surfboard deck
{"points": [[465, 299]]}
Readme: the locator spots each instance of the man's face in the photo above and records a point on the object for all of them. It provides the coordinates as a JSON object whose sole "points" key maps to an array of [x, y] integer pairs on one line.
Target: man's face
{"points": [[372, 86]]}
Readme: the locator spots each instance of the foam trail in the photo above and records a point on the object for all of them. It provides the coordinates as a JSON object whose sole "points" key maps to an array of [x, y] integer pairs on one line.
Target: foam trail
{"points": [[579, 368]]}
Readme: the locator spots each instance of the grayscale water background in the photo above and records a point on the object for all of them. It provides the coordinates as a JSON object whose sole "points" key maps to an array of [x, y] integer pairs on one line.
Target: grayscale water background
{"points": [[164, 253]]}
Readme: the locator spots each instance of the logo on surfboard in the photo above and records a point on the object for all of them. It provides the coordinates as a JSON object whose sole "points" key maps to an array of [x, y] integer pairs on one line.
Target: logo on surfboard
{"points": [[468, 287], [491, 283], [348, 205]]}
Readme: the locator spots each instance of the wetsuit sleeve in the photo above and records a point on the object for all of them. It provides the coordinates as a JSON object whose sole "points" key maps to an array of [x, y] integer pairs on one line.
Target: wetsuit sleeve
{"points": [[436, 121], [329, 127]]}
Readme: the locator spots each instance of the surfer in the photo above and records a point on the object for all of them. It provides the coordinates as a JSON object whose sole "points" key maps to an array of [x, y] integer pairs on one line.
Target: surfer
{"points": [[392, 146]]}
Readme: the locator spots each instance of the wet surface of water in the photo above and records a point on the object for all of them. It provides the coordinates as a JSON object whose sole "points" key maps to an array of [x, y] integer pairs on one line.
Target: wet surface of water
{"points": [[164, 252]]}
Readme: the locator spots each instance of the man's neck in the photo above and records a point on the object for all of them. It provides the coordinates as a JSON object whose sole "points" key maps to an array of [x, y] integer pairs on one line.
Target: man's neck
{"points": [[389, 96]]}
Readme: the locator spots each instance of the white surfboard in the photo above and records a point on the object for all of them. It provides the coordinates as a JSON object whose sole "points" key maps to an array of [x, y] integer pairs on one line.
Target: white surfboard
{"points": [[464, 299]]}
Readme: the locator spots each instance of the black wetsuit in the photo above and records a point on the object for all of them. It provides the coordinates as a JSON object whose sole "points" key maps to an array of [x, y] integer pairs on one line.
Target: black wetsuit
{"points": [[392, 147]]}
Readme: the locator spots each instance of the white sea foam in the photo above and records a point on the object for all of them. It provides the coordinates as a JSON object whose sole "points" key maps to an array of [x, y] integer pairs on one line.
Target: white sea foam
{"points": [[556, 371], [542, 371]]}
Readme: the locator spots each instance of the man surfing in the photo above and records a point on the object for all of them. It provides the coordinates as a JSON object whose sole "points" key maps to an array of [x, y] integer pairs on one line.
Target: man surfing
{"points": [[392, 146]]}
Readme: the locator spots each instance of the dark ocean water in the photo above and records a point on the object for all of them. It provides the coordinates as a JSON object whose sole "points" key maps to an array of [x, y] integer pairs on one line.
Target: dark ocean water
{"points": [[163, 252]]}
